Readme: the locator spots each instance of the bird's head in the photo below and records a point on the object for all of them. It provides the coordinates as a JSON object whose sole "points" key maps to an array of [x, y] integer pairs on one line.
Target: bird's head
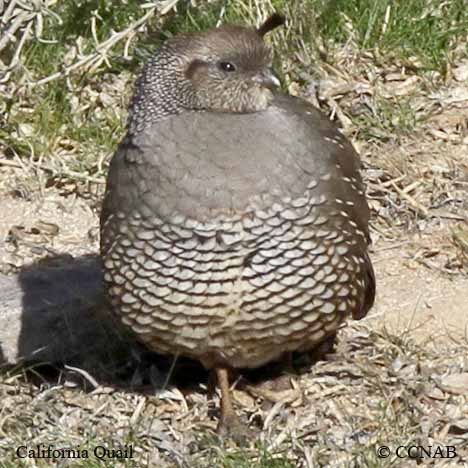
{"points": [[225, 69], [228, 68]]}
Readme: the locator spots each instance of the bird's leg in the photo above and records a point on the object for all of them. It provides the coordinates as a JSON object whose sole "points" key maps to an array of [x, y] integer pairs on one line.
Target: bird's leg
{"points": [[229, 423], [320, 351], [211, 384], [289, 363], [228, 416]]}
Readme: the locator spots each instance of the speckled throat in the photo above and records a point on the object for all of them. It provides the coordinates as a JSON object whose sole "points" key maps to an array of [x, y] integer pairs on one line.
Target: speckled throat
{"points": [[160, 91]]}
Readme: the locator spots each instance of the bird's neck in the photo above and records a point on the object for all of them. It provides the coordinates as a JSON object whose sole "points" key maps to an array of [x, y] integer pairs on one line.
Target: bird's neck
{"points": [[159, 93]]}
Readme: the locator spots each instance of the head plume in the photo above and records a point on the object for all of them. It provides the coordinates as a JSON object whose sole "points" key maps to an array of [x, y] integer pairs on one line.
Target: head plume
{"points": [[272, 22]]}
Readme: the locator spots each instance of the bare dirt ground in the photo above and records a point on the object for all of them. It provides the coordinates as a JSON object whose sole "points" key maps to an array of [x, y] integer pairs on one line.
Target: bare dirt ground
{"points": [[417, 301]]}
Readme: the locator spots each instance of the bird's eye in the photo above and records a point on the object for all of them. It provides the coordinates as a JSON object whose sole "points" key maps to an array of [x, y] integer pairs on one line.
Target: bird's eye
{"points": [[227, 66]]}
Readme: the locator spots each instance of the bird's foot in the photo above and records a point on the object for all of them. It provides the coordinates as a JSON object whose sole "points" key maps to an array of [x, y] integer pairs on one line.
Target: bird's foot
{"points": [[231, 427]]}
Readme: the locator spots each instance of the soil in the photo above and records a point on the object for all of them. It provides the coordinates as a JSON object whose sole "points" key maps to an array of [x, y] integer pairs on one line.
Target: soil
{"points": [[416, 300]]}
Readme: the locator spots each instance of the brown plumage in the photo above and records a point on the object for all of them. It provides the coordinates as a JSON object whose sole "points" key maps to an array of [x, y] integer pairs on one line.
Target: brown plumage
{"points": [[234, 227]]}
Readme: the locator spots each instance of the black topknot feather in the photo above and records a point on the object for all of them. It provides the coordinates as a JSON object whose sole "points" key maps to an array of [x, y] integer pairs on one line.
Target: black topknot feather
{"points": [[271, 23]]}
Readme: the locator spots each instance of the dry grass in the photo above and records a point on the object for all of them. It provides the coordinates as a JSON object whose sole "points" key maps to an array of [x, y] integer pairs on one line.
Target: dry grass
{"points": [[375, 390], [404, 104], [378, 389]]}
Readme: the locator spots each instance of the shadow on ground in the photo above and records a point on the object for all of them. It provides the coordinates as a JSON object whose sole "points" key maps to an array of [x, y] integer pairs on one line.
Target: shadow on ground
{"points": [[58, 318]]}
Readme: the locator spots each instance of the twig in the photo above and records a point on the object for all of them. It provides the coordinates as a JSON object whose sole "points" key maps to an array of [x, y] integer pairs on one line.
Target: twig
{"points": [[101, 50], [415, 204], [17, 53], [55, 172], [17, 23], [84, 374]]}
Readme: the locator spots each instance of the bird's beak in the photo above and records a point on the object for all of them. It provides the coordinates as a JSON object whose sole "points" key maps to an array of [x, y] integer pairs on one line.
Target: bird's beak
{"points": [[267, 79]]}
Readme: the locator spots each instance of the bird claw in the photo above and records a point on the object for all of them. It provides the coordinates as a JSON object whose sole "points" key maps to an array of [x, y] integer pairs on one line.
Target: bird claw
{"points": [[231, 427]]}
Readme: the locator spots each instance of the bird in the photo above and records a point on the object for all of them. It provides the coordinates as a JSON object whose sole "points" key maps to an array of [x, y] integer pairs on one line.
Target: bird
{"points": [[234, 227]]}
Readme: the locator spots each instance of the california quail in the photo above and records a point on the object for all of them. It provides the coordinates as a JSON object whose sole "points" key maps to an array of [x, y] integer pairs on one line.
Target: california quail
{"points": [[234, 227]]}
